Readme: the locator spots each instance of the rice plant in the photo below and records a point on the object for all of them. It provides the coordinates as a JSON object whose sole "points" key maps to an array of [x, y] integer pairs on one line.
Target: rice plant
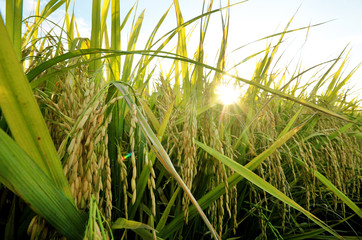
{"points": [[97, 143]]}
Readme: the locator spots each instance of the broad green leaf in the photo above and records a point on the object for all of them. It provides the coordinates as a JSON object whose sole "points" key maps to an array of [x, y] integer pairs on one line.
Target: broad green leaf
{"points": [[35, 32], [122, 223], [116, 40], [104, 14], [96, 37], [69, 24], [14, 17], [165, 120], [24, 117], [291, 122], [150, 115], [28, 180], [161, 224]]}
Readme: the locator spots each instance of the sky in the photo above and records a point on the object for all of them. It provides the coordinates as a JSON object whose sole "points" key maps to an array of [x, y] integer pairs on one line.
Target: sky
{"points": [[250, 21]]}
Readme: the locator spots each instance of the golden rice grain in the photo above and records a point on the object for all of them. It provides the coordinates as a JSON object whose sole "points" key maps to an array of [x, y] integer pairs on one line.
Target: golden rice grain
{"points": [[133, 157], [123, 175], [188, 170]]}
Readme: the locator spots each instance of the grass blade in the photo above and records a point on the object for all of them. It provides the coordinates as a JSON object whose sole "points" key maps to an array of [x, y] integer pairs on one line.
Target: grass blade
{"points": [[35, 187], [127, 66], [161, 224], [14, 17], [24, 117], [96, 37], [122, 223], [182, 51]]}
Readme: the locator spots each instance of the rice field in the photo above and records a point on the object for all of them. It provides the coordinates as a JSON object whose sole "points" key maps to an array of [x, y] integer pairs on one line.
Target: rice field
{"points": [[97, 143]]}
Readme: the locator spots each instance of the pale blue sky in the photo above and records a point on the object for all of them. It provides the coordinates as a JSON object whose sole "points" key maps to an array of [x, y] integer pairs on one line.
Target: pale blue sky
{"points": [[252, 20]]}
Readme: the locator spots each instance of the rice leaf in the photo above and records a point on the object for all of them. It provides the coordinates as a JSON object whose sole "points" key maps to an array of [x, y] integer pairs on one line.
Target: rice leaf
{"points": [[127, 65], [104, 14], [182, 51], [30, 182], [151, 116], [122, 223], [161, 224], [96, 38], [24, 117], [165, 120], [13, 20]]}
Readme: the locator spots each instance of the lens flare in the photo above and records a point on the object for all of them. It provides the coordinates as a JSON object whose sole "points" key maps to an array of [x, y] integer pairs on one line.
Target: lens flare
{"points": [[227, 94]]}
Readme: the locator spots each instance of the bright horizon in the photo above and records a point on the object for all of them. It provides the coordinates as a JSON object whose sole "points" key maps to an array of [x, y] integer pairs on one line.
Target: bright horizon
{"points": [[250, 21]]}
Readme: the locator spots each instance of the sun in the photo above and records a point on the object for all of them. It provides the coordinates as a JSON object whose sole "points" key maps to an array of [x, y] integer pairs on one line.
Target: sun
{"points": [[227, 94]]}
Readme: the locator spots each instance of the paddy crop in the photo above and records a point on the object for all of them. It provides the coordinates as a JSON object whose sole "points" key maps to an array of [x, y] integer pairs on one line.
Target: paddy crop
{"points": [[97, 143]]}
